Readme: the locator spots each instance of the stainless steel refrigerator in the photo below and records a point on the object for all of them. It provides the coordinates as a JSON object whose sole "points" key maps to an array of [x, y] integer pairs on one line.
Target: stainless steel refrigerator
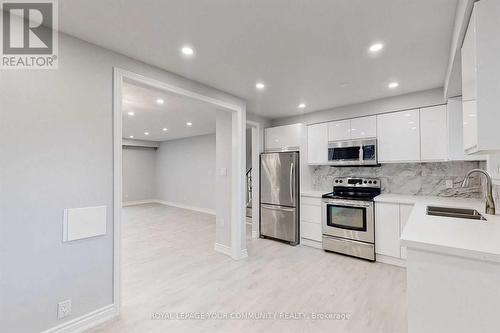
{"points": [[279, 196]]}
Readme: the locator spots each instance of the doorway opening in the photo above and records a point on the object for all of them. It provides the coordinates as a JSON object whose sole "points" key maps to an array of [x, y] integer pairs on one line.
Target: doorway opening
{"points": [[252, 176], [230, 231]]}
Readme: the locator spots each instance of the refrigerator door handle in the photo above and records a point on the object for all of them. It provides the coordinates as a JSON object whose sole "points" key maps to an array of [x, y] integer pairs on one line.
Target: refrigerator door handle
{"points": [[292, 178], [272, 207]]}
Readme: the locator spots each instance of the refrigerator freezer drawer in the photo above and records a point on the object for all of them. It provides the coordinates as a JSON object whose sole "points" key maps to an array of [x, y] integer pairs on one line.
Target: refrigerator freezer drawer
{"points": [[279, 222]]}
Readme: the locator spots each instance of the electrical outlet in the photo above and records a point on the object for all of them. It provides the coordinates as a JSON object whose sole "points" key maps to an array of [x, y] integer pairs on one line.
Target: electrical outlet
{"points": [[449, 183], [63, 309]]}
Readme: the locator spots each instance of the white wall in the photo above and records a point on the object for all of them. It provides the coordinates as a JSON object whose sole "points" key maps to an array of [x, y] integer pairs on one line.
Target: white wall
{"points": [[395, 103], [223, 160], [185, 171], [249, 148], [263, 122], [139, 173], [62, 159]]}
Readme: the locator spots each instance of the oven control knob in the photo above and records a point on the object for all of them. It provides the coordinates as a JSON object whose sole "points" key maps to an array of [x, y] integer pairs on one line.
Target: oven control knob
{"points": [[374, 182], [341, 181], [336, 181], [364, 182], [369, 182]]}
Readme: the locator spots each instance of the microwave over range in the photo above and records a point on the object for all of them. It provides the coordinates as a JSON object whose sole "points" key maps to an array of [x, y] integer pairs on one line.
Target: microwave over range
{"points": [[353, 152]]}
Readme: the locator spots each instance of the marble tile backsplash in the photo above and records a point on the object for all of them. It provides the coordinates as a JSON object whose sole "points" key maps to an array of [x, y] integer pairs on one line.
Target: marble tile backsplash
{"points": [[408, 178], [496, 197]]}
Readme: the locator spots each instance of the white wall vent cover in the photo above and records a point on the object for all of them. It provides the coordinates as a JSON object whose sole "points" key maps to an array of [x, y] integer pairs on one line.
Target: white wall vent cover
{"points": [[84, 223]]}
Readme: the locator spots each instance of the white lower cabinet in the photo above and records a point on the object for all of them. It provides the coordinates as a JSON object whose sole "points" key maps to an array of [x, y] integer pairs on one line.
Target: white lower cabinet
{"points": [[310, 221], [387, 229], [390, 220], [404, 214], [311, 231]]}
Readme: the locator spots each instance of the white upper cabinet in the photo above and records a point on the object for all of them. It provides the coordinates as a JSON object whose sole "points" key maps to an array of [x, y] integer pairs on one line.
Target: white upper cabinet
{"points": [[427, 134], [398, 136], [456, 140], [469, 63], [469, 123], [434, 133], [356, 128], [286, 137], [481, 79], [317, 144], [364, 127], [339, 130]]}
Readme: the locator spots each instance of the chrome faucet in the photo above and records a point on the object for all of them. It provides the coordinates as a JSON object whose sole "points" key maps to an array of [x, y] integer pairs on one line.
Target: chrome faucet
{"points": [[490, 203]]}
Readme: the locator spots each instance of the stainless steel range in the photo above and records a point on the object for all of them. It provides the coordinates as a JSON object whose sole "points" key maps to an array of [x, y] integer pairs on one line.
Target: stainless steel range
{"points": [[348, 217]]}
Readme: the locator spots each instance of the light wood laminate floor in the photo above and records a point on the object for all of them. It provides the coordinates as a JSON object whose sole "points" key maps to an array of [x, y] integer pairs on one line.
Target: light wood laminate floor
{"points": [[170, 266]]}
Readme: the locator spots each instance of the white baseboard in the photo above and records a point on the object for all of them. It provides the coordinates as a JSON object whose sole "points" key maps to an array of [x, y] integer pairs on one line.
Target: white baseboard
{"points": [[254, 234], [390, 260], [311, 243], [243, 254], [138, 202], [168, 203], [180, 205], [224, 249], [86, 321]]}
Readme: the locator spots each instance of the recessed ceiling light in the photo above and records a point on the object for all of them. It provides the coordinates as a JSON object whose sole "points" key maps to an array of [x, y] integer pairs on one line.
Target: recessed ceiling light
{"points": [[164, 129], [376, 47], [146, 133], [302, 105], [260, 85], [188, 51], [130, 113], [160, 101], [393, 85], [189, 123], [131, 136]]}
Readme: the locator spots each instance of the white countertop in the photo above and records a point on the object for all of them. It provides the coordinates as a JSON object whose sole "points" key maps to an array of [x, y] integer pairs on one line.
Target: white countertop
{"points": [[312, 193], [453, 236], [397, 198]]}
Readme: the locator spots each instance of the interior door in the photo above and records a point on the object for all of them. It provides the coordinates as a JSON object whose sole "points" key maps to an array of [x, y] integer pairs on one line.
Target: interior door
{"points": [[278, 222], [278, 173]]}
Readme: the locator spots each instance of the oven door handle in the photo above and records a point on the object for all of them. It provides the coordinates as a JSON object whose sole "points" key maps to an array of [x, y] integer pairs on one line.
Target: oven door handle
{"points": [[349, 204]]}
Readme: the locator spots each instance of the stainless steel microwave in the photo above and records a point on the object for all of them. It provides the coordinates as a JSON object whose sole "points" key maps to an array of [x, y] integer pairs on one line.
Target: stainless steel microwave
{"points": [[353, 152]]}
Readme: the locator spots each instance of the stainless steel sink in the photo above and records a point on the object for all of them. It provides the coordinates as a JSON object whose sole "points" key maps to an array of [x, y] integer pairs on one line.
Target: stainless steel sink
{"points": [[462, 213]]}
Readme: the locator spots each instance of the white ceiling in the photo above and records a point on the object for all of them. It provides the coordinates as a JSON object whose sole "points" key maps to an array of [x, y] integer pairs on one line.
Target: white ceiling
{"points": [[311, 51], [173, 114]]}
